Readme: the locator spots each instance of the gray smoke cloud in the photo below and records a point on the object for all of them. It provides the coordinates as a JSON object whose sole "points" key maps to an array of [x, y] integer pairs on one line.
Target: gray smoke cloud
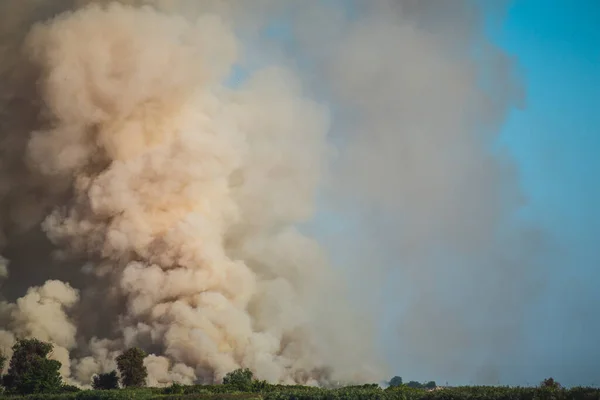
{"points": [[147, 202], [432, 202]]}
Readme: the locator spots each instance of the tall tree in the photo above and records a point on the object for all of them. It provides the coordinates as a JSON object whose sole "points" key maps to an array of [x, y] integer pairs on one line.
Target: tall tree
{"points": [[132, 368], [30, 371], [107, 381]]}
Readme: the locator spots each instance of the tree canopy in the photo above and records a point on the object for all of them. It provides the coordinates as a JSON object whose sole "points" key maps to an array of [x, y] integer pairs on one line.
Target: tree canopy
{"points": [[430, 385], [132, 368], [30, 371], [241, 379], [550, 383], [2, 362], [106, 381], [396, 381]]}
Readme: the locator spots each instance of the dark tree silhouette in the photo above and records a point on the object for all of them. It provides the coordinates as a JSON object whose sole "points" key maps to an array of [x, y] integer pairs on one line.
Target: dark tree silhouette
{"points": [[415, 384], [132, 368], [430, 385], [550, 383], [396, 381], [30, 371], [107, 381], [2, 362]]}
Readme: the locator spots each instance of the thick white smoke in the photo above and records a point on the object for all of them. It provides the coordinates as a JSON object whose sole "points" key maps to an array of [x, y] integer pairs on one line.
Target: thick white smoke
{"points": [[146, 202], [181, 196]]}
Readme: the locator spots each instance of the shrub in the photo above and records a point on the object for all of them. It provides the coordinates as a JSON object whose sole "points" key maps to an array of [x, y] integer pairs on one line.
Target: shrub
{"points": [[550, 383], [106, 381], [241, 379], [175, 388], [69, 389]]}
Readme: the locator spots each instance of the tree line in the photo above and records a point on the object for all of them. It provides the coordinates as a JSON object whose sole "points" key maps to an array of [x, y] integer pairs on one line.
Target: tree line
{"points": [[397, 381], [31, 371]]}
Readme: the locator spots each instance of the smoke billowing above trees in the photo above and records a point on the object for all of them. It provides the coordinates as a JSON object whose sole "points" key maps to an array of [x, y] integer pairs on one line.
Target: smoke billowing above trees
{"points": [[146, 200]]}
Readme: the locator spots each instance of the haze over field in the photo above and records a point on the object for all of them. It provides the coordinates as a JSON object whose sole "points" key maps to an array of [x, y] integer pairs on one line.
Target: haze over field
{"points": [[161, 160]]}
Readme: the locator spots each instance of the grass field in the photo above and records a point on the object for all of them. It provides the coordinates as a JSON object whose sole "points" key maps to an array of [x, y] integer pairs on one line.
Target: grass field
{"points": [[366, 392]]}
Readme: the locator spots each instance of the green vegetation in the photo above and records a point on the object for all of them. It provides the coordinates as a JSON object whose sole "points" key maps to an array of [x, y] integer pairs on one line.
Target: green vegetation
{"points": [[107, 381], [240, 379], [30, 371], [550, 383], [396, 381], [31, 375], [132, 369], [366, 392]]}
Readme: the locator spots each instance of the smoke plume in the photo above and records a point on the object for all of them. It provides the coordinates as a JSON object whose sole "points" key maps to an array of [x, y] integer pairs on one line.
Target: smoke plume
{"points": [[151, 194]]}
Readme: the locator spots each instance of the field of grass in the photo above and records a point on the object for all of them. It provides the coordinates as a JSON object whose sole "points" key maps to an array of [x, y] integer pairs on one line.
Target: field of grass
{"points": [[366, 392]]}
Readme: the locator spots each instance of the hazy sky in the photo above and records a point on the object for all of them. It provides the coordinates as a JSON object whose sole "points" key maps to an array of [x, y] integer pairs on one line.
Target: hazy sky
{"points": [[556, 140]]}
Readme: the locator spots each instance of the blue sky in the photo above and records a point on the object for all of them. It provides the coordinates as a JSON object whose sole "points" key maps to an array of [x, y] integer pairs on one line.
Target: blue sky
{"points": [[555, 140]]}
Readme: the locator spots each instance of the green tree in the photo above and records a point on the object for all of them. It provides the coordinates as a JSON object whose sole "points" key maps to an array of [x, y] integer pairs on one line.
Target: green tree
{"points": [[430, 385], [396, 381], [415, 385], [107, 381], [30, 371], [2, 362], [241, 379], [550, 383], [69, 389], [132, 368]]}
